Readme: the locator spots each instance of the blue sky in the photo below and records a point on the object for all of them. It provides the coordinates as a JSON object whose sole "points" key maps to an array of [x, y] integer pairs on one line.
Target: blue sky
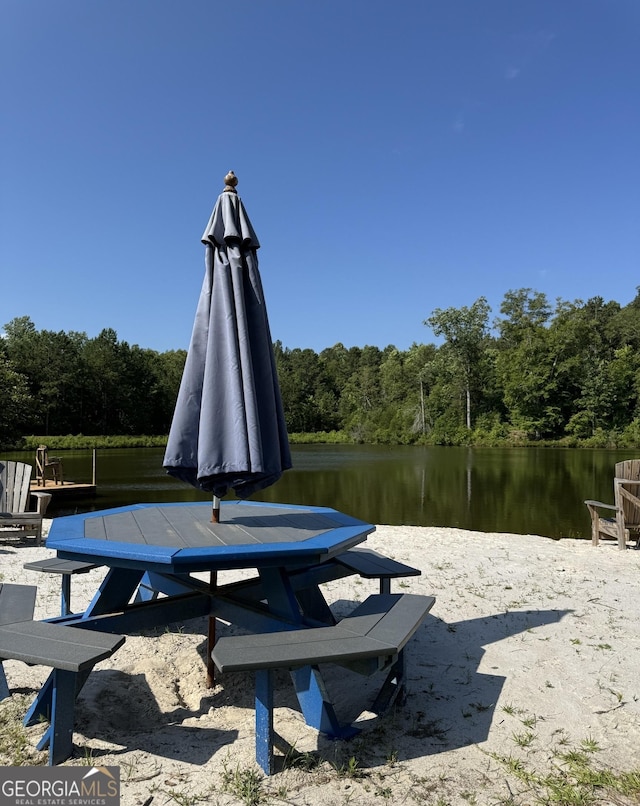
{"points": [[394, 157]]}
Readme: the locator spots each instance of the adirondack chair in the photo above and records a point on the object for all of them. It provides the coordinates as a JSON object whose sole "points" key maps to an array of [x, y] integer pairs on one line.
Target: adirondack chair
{"points": [[624, 521], [48, 464], [15, 519]]}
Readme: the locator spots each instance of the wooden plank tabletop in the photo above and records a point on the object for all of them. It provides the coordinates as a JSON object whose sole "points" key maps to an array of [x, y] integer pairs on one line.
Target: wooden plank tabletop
{"points": [[183, 537], [191, 526]]}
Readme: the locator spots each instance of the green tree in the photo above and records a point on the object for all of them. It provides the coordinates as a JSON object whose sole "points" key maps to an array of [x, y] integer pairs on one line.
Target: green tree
{"points": [[624, 327], [361, 396], [49, 361], [168, 368], [582, 354], [338, 365], [300, 376], [465, 331], [524, 362], [103, 361], [16, 408], [524, 312], [141, 402]]}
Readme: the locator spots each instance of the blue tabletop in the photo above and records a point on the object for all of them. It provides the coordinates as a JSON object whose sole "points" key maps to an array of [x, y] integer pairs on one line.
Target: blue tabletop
{"points": [[181, 537]]}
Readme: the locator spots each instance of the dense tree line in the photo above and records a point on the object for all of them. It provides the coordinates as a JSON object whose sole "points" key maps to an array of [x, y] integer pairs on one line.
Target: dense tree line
{"points": [[537, 372], [67, 383]]}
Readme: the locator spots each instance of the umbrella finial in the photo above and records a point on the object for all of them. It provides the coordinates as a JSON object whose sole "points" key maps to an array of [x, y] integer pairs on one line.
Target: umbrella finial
{"points": [[230, 182]]}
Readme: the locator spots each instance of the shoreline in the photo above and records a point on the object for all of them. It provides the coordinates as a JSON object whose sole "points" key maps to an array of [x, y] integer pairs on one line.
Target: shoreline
{"points": [[532, 650]]}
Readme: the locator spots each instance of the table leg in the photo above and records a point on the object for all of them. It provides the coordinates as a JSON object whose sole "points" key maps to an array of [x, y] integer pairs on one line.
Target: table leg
{"points": [[59, 735], [264, 720], [280, 594], [115, 592], [65, 592], [393, 687], [4, 686], [315, 703], [314, 604], [308, 683], [211, 633], [40, 708]]}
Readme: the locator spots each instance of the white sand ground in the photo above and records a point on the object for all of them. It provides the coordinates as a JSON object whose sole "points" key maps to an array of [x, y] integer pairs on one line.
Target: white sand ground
{"points": [[531, 650]]}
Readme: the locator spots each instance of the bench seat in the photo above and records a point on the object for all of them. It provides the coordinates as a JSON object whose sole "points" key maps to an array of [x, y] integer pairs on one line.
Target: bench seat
{"points": [[71, 653], [371, 565], [377, 630], [17, 603], [379, 627], [67, 568], [46, 644]]}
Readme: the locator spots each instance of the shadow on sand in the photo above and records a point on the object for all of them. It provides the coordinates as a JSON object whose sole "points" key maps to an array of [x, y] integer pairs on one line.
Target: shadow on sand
{"points": [[449, 704]]}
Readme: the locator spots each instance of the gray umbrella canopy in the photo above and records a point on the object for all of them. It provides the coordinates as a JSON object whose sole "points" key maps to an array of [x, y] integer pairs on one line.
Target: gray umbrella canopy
{"points": [[228, 429]]}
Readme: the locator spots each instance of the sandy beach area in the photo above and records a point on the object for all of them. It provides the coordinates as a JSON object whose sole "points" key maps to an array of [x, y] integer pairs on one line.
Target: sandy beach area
{"points": [[524, 676]]}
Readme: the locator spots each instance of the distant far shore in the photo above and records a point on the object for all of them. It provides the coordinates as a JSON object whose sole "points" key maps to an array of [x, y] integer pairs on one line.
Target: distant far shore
{"points": [[517, 440]]}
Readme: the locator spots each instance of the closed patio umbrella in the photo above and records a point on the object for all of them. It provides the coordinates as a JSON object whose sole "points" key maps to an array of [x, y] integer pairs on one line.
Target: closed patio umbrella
{"points": [[228, 430]]}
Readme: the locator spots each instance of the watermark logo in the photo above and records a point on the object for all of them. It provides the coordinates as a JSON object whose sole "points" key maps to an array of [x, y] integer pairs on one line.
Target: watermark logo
{"points": [[59, 786]]}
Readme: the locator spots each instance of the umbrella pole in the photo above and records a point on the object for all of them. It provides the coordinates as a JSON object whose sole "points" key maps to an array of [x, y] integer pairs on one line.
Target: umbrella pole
{"points": [[215, 510], [213, 584]]}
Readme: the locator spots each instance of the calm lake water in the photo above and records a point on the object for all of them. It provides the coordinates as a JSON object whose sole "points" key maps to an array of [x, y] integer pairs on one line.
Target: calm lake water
{"points": [[520, 490]]}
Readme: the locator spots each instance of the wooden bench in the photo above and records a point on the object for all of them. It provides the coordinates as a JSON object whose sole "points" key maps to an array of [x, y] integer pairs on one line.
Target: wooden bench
{"points": [[70, 652], [66, 568], [370, 638], [371, 565]]}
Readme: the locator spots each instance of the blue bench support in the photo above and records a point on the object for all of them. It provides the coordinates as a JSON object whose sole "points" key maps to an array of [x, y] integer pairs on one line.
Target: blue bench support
{"points": [[264, 719], [72, 654], [369, 639], [66, 568]]}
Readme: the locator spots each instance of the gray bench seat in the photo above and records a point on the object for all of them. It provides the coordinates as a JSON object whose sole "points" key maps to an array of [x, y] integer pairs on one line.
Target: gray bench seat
{"points": [[376, 631], [46, 644], [17, 603], [371, 565], [67, 568], [71, 653], [379, 627]]}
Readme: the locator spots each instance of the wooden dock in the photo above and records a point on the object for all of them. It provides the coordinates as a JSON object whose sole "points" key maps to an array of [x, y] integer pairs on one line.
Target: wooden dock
{"points": [[65, 488], [58, 487]]}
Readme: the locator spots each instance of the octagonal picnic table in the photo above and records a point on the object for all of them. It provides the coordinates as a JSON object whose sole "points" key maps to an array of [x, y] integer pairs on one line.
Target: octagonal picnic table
{"points": [[154, 552]]}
